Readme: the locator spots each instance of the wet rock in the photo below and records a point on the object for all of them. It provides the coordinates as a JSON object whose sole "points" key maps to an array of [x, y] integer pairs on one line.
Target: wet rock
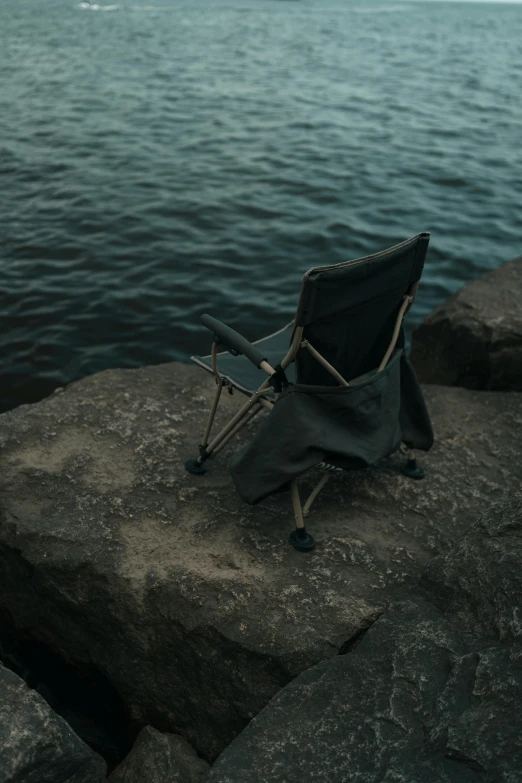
{"points": [[433, 693], [474, 339], [36, 745], [160, 758], [192, 604]]}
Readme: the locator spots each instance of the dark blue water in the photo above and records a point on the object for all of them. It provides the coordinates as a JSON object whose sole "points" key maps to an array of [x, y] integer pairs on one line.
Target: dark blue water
{"points": [[159, 160]]}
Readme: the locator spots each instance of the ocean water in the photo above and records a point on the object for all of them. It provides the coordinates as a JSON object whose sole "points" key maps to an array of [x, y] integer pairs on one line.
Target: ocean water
{"points": [[163, 158]]}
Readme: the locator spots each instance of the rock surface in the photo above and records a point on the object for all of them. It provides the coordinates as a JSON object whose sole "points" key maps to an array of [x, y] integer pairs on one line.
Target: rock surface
{"points": [[160, 758], [36, 745], [192, 604], [474, 339], [433, 693]]}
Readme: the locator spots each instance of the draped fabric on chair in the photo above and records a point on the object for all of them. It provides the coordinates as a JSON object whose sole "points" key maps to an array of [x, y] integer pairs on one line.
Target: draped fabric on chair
{"points": [[350, 427]]}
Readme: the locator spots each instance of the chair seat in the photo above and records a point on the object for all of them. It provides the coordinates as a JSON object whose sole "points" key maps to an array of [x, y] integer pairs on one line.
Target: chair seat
{"points": [[241, 373]]}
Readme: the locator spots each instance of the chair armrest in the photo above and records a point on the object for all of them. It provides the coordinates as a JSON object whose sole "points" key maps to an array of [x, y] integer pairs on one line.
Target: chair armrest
{"points": [[232, 340]]}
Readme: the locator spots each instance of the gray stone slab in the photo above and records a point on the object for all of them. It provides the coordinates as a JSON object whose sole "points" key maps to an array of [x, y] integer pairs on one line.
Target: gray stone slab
{"points": [[474, 339], [36, 745], [433, 692], [191, 603]]}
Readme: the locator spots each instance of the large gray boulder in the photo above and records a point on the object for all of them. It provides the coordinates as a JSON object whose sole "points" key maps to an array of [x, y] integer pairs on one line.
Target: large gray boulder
{"points": [[433, 693], [474, 339], [36, 745], [192, 604], [160, 758]]}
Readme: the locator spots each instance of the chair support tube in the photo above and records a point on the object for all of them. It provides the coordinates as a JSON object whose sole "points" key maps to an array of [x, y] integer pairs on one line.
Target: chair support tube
{"points": [[213, 411], [393, 342], [235, 419], [325, 363], [294, 347], [300, 538], [248, 417], [296, 502], [320, 484]]}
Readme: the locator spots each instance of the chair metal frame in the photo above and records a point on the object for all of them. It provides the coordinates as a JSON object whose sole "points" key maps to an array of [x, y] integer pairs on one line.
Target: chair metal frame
{"points": [[259, 399]]}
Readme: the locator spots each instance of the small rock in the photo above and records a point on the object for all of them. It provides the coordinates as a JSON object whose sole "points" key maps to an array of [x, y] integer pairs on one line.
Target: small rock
{"points": [[474, 339], [160, 758]]}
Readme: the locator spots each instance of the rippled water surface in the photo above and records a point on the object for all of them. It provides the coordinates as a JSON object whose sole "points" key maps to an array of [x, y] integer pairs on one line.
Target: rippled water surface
{"points": [[162, 159]]}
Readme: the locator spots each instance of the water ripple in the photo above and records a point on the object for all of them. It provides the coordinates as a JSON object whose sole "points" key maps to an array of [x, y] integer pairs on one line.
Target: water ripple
{"points": [[170, 158]]}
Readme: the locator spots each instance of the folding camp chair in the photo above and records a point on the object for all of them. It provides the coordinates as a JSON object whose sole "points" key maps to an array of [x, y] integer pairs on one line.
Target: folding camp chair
{"points": [[340, 392]]}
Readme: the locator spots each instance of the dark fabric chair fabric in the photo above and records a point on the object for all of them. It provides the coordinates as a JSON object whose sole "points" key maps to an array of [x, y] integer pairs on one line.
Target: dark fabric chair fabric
{"points": [[349, 310], [361, 339], [348, 313], [350, 427], [417, 432]]}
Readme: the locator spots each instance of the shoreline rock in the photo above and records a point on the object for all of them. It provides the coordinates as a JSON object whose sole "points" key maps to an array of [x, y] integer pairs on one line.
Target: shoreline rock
{"points": [[192, 604], [36, 744], [474, 338], [432, 693]]}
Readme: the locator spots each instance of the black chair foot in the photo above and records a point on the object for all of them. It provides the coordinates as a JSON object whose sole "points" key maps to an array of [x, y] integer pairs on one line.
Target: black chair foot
{"points": [[302, 540], [193, 466], [412, 470]]}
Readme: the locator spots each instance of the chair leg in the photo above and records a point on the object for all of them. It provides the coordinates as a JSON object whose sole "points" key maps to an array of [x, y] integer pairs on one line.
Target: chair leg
{"points": [[299, 538], [197, 466], [212, 413], [314, 493], [206, 450], [411, 469], [247, 418]]}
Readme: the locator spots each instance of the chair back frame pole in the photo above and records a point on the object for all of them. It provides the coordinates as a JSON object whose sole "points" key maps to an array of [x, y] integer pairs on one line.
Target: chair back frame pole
{"points": [[406, 304], [294, 347], [325, 363], [413, 293]]}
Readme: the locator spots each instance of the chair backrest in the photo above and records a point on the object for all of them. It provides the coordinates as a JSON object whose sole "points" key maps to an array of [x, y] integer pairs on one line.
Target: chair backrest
{"points": [[348, 311]]}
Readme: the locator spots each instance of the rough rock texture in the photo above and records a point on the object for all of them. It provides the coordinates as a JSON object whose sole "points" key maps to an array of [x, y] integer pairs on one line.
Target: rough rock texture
{"points": [[433, 693], [192, 604], [36, 745], [160, 758], [474, 339]]}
